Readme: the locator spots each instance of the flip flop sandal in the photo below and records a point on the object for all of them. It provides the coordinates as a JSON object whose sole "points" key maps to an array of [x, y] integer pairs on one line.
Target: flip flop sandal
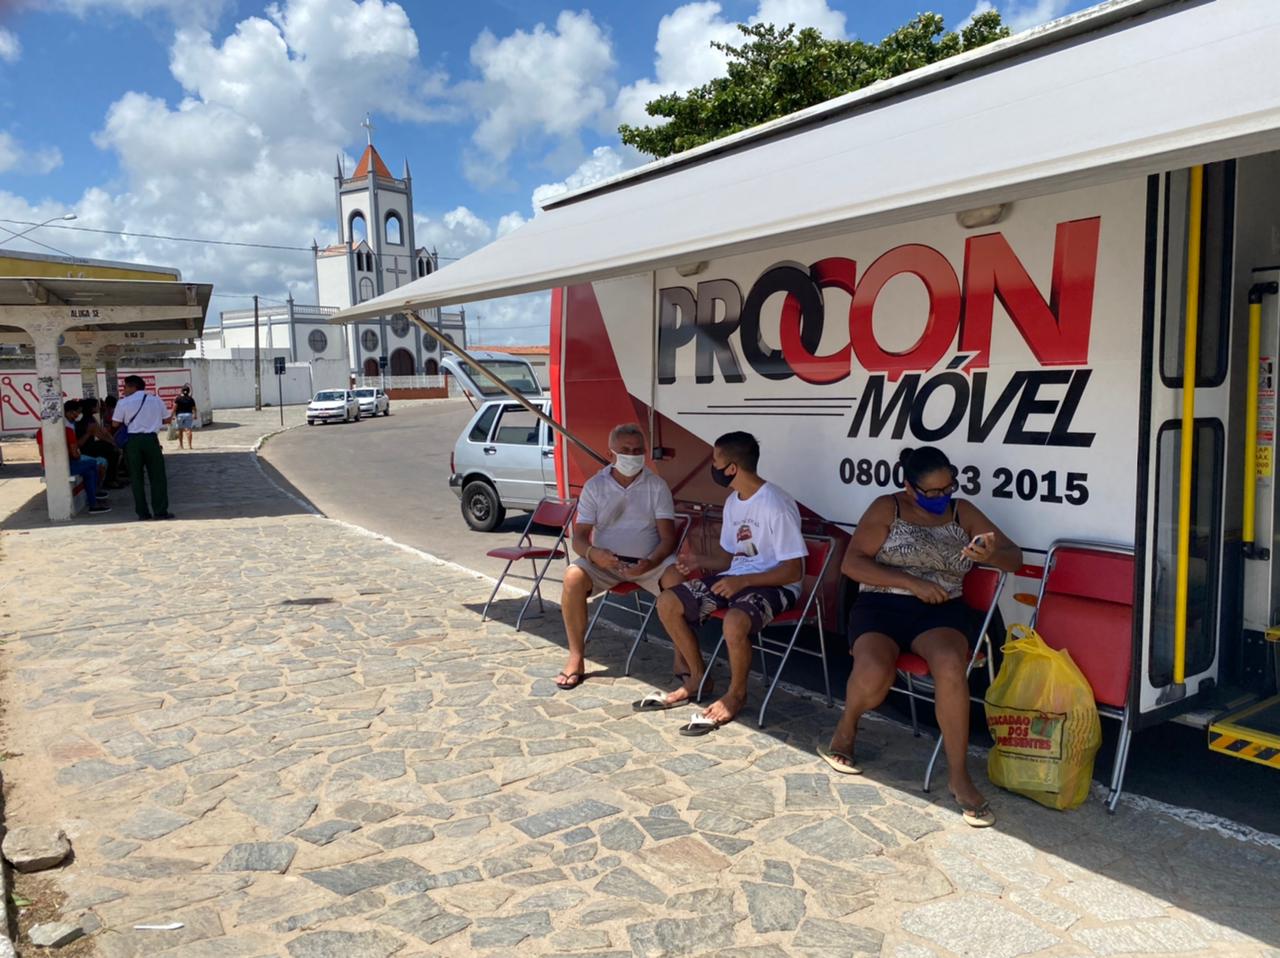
{"points": [[829, 756], [572, 680], [977, 816], [699, 725], [656, 702]]}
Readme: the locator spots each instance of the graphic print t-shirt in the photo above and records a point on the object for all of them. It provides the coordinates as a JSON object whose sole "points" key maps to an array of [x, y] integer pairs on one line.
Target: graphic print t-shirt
{"points": [[762, 532]]}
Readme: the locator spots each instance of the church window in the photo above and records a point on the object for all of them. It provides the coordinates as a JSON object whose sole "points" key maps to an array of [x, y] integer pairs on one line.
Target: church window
{"points": [[366, 288], [395, 229], [357, 229], [400, 324], [423, 266], [318, 341], [369, 340]]}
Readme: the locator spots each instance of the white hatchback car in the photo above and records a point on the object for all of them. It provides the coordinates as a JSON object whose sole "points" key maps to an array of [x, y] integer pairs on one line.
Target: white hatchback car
{"points": [[373, 401], [331, 405]]}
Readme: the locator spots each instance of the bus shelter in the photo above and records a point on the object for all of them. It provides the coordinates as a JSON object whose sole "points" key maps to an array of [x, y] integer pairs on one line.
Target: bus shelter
{"points": [[97, 319]]}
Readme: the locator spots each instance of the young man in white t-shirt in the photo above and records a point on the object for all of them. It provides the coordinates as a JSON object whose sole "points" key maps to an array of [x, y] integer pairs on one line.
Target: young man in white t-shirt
{"points": [[624, 531], [755, 573]]}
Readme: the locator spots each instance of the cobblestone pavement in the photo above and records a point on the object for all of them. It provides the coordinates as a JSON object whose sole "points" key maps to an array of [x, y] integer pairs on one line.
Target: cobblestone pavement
{"points": [[296, 740]]}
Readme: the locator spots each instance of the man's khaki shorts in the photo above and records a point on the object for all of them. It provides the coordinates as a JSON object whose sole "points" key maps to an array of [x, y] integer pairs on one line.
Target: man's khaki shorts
{"points": [[602, 580]]}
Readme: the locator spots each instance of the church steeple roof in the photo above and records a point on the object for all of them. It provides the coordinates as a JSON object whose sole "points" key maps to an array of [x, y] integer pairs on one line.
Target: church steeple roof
{"points": [[371, 160]]}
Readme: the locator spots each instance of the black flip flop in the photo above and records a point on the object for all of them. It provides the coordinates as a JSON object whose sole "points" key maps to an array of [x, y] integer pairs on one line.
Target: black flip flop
{"points": [[699, 725], [580, 676]]}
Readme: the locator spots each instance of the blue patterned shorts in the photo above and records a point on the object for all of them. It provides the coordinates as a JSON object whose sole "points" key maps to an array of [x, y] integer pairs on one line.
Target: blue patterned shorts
{"points": [[762, 604]]}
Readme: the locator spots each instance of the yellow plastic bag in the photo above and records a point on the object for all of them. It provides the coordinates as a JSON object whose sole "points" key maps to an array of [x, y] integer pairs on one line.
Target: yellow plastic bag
{"points": [[1042, 715]]}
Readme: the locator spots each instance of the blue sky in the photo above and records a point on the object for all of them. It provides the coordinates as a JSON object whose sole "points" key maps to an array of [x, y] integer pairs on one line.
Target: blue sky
{"points": [[221, 119]]}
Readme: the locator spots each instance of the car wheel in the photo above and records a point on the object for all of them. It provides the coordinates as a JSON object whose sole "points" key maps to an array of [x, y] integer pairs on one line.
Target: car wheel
{"points": [[311, 422], [387, 411], [481, 507]]}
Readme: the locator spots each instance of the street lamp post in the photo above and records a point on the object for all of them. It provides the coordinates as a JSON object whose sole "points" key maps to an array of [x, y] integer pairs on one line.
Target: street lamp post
{"points": [[32, 229]]}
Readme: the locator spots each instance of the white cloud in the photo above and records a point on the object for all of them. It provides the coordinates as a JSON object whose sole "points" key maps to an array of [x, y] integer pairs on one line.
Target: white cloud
{"points": [[513, 321], [982, 6], [14, 158], [604, 162], [536, 87], [10, 46], [246, 154], [510, 223], [1025, 14], [454, 235], [685, 58]]}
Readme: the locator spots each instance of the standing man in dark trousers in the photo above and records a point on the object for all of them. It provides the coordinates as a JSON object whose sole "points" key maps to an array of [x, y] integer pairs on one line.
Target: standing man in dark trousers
{"points": [[144, 415]]}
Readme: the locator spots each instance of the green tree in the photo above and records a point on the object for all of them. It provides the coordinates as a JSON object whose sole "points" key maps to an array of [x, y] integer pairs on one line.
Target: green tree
{"points": [[778, 71]]}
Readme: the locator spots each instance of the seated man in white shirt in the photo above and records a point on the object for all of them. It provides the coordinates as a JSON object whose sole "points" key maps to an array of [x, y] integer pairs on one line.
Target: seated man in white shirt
{"points": [[624, 531], [756, 574]]}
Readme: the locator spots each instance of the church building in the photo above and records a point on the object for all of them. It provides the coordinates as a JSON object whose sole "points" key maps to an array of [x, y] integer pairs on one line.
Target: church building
{"points": [[375, 253]]}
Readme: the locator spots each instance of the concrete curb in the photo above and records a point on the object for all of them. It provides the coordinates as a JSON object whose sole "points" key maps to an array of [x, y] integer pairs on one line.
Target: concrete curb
{"points": [[7, 910]]}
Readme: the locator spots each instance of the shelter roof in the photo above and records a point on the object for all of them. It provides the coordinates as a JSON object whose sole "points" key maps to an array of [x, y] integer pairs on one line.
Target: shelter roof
{"points": [[1129, 88], [105, 305]]}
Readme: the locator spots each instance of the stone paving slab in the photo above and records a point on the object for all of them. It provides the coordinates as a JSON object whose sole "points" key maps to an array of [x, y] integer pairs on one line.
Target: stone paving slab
{"points": [[375, 772]]}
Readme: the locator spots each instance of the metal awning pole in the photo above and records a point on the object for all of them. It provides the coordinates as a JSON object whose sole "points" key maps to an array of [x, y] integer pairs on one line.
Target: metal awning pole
{"points": [[446, 343]]}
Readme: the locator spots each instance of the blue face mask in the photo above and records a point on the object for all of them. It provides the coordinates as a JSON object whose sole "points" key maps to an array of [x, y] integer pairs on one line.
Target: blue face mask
{"points": [[937, 506]]}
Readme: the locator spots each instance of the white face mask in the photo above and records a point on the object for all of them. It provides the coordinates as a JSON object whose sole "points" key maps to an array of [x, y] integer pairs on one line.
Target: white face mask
{"points": [[628, 465]]}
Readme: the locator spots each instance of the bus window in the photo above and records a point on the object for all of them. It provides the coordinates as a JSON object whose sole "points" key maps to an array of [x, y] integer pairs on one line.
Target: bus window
{"points": [[1215, 275], [1206, 536]]}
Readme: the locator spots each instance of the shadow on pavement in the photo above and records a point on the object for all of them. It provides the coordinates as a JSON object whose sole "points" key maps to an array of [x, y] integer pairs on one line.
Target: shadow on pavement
{"points": [[1219, 878], [213, 485], [1199, 778]]}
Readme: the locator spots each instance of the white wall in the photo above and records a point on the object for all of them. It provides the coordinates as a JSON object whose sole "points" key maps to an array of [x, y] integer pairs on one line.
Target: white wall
{"points": [[334, 288], [231, 381]]}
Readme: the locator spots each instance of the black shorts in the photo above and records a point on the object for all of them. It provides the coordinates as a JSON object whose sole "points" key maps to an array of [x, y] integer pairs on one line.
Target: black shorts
{"points": [[904, 617], [761, 603]]}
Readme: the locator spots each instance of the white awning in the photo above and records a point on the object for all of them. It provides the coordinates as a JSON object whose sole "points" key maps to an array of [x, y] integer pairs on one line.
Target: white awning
{"points": [[1129, 88]]}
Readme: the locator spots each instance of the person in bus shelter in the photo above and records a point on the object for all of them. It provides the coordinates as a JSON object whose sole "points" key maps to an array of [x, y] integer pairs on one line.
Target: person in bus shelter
{"points": [[755, 574], [624, 531], [909, 554]]}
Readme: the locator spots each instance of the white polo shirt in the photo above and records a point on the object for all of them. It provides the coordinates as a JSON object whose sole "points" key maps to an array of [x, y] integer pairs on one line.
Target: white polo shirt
{"points": [[625, 517], [141, 412]]}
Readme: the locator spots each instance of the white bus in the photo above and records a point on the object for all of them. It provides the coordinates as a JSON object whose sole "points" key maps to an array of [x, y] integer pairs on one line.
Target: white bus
{"points": [[1011, 255]]}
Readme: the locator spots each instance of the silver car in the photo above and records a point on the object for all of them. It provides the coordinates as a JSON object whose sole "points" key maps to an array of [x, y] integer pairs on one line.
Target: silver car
{"points": [[373, 401], [503, 459], [333, 405]]}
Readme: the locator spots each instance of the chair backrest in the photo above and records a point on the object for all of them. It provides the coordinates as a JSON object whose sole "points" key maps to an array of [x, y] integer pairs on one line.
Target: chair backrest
{"points": [[815, 563], [1086, 607], [554, 512], [683, 524], [982, 587]]}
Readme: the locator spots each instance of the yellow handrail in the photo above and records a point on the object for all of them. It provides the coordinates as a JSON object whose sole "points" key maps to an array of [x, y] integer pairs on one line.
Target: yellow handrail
{"points": [[1188, 425], [1251, 426]]}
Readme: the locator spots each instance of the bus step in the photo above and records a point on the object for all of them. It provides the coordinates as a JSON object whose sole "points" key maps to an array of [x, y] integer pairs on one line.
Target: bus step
{"points": [[1251, 733]]}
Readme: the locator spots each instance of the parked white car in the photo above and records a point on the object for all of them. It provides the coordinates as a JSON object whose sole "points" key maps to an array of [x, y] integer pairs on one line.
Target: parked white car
{"points": [[504, 458], [331, 405], [373, 401]]}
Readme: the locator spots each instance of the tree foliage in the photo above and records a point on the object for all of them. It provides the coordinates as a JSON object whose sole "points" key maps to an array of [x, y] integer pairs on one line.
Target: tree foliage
{"points": [[778, 71]]}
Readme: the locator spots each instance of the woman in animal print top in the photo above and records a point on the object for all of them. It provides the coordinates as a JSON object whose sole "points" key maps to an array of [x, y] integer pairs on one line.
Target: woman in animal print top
{"points": [[909, 555]]}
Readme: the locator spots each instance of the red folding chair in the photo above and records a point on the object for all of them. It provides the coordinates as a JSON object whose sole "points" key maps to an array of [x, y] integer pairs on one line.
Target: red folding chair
{"points": [[982, 588], [809, 609], [644, 604], [555, 513], [1086, 607]]}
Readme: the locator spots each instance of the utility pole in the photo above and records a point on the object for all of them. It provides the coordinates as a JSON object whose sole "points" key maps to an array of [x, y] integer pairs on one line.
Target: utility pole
{"points": [[257, 360]]}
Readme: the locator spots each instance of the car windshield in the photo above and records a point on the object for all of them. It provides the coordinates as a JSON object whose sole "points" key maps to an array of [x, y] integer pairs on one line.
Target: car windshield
{"points": [[330, 395], [515, 374], [365, 393]]}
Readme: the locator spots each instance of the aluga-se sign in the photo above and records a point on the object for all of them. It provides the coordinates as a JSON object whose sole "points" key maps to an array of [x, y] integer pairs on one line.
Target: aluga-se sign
{"points": [[959, 320]]}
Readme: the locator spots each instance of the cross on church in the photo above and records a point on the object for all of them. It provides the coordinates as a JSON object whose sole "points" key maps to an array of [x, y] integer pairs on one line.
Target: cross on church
{"points": [[368, 127], [395, 270]]}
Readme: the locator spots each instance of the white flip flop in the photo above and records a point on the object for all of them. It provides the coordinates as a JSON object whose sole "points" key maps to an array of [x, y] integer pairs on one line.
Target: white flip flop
{"points": [[699, 724]]}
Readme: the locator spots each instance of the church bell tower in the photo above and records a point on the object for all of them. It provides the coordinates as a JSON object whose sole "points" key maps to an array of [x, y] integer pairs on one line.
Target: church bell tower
{"points": [[375, 253]]}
